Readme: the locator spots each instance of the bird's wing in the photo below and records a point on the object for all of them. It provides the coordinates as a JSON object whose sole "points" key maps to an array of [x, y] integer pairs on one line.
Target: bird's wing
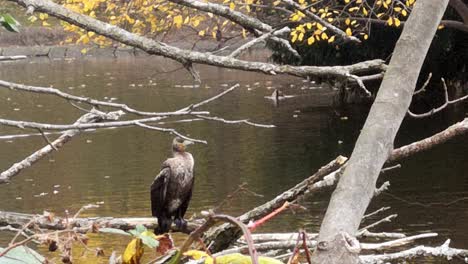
{"points": [[186, 201], [158, 191]]}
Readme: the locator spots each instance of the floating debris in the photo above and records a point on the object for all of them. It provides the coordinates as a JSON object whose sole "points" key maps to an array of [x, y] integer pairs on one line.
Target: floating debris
{"points": [[19, 198], [340, 142], [16, 109], [295, 116], [39, 105], [57, 186], [344, 118], [89, 141], [107, 177], [41, 194], [55, 192]]}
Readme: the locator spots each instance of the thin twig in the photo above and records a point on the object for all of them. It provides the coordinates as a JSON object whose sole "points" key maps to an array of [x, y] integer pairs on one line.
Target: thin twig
{"points": [[440, 108]]}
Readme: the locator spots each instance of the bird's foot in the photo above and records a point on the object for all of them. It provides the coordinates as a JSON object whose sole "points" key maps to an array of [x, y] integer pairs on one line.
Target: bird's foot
{"points": [[180, 223]]}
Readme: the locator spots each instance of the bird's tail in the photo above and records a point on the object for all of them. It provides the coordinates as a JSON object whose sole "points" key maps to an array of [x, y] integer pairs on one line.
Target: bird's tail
{"points": [[164, 225]]}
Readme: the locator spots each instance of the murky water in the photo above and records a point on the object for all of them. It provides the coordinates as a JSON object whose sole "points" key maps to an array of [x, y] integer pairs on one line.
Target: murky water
{"points": [[117, 166]]}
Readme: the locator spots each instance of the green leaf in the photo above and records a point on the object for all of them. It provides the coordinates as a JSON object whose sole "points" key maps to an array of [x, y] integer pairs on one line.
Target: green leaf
{"points": [[21, 255], [134, 232], [140, 228], [9, 23], [113, 231], [149, 241], [149, 238]]}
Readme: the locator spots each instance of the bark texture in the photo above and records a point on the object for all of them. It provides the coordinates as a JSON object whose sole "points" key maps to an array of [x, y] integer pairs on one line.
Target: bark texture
{"points": [[375, 143]]}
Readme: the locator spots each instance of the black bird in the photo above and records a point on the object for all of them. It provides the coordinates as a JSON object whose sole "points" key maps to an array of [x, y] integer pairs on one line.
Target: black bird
{"points": [[172, 188]]}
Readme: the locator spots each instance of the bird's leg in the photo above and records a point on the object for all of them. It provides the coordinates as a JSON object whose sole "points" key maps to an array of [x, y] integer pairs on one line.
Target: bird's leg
{"points": [[180, 222]]}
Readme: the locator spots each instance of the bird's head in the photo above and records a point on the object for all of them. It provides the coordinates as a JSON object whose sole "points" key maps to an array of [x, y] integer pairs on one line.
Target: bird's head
{"points": [[179, 144]]}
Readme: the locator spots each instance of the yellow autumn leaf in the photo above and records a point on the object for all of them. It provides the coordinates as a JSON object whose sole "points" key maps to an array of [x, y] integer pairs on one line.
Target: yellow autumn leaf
{"points": [[43, 16], [324, 36], [309, 25], [349, 32], [244, 33], [404, 13], [331, 39], [32, 19], [177, 21], [366, 36], [311, 40], [201, 33], [83, 51], [300, 37], [397, 22], [133, 252], [390, 21], [232, 6], [91, 34], [294, 38], [235, 258], [347, 21], [440, 27], [186, 20], [275, 3], [45, 24], [319, 26]]}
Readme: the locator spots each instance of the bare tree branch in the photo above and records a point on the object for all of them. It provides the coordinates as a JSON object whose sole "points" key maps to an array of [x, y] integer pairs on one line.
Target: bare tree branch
{"points": [[440, 108], [184, 56], [441, 251], [59, 142]]}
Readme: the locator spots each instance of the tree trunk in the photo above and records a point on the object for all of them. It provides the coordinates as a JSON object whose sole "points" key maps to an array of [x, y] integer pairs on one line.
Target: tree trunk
{"points": [[375, 143]]}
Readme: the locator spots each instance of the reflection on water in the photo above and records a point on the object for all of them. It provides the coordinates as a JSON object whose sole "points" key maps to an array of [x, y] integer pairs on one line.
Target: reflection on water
{"points": [[117, 166]]}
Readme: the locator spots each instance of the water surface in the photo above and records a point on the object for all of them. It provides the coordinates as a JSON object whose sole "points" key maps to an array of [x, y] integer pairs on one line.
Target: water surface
{"points": [[117, 166]]}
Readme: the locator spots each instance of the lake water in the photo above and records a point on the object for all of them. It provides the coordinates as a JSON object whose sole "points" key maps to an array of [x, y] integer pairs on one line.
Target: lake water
{"points": [[117, 166]]}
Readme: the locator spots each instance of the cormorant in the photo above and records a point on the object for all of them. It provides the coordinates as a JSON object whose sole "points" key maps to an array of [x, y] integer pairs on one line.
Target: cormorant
{"points": [[172, 188]]}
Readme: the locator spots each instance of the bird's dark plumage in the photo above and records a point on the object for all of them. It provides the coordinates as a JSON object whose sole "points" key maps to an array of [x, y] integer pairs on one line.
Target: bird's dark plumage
{"points": [[172, 188]]}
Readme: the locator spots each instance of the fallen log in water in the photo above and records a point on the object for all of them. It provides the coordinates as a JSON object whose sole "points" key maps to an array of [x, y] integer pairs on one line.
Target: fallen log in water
{"points": [[46, 221]]}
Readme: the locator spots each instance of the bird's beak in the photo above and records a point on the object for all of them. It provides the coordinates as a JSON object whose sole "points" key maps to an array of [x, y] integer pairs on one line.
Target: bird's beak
{"points": [[188, 142]]}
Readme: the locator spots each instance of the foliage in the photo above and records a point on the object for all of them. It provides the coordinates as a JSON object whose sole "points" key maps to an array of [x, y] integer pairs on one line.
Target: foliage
{"points": [[235, 258], [354, 17], [153, 17], [9, 23], [21, 255], [141, 236]]}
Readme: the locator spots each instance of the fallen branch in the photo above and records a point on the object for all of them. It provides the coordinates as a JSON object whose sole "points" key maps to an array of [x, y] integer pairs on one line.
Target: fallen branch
{"points": [[19, 220], [395, 243], [88, 118], [221, 237], [441, 251], [12, 58]]}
